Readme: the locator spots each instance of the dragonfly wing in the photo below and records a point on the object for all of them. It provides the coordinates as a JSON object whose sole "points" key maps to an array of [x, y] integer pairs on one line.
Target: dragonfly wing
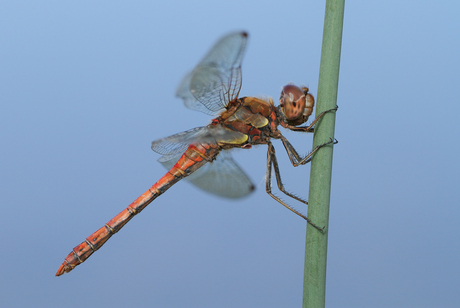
{"points": [[216, 80], [221, 177], [178, 143]]}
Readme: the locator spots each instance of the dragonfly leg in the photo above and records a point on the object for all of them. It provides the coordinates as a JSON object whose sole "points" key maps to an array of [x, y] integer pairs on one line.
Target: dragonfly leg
{"points": [[310, 128], [295, 158], [272, 161]]}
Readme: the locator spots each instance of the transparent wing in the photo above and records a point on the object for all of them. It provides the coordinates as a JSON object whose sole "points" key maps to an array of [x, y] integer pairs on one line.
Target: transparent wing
{"points": [[221, 177], [178, 143], [216, 80]]}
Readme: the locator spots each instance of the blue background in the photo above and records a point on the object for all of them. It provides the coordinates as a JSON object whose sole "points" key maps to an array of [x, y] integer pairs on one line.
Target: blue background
{"points": [[85, 87]]}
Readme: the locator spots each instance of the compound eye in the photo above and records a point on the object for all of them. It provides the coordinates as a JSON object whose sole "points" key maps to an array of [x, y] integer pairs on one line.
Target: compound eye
{"points": [[293, 102]]}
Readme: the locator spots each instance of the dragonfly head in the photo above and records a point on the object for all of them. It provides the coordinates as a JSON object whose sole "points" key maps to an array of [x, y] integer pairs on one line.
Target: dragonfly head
{"points": [[296, 104]]}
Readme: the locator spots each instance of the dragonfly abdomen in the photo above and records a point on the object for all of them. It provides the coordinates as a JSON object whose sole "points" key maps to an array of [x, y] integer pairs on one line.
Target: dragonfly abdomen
{"points": [[195, 157]]}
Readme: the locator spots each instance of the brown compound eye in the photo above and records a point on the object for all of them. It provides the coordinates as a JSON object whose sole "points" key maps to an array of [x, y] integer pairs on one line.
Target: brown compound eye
{"points": [[293, 101]]}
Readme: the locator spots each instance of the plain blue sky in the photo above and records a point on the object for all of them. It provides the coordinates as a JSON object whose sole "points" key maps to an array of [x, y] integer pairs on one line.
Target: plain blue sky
{"points": [[85, 87]]}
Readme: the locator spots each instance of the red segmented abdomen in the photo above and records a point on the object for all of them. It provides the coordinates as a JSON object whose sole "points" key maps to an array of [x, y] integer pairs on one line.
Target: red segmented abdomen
{"points": [[195, 157]]}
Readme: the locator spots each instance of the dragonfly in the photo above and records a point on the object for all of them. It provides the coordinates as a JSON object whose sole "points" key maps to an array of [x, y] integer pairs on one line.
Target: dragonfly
{"points": [[201, 154]]}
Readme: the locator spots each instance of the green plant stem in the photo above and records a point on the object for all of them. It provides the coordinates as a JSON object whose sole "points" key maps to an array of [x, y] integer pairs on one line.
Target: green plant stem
{"points": [[321, 166]]}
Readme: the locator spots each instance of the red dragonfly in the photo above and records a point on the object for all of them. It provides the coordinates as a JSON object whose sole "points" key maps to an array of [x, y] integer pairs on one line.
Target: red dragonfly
{"points": [[213, 87]]}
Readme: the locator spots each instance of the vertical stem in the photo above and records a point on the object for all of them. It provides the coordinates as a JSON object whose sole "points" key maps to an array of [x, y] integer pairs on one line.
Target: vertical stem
{"points": [[321, 166]]}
